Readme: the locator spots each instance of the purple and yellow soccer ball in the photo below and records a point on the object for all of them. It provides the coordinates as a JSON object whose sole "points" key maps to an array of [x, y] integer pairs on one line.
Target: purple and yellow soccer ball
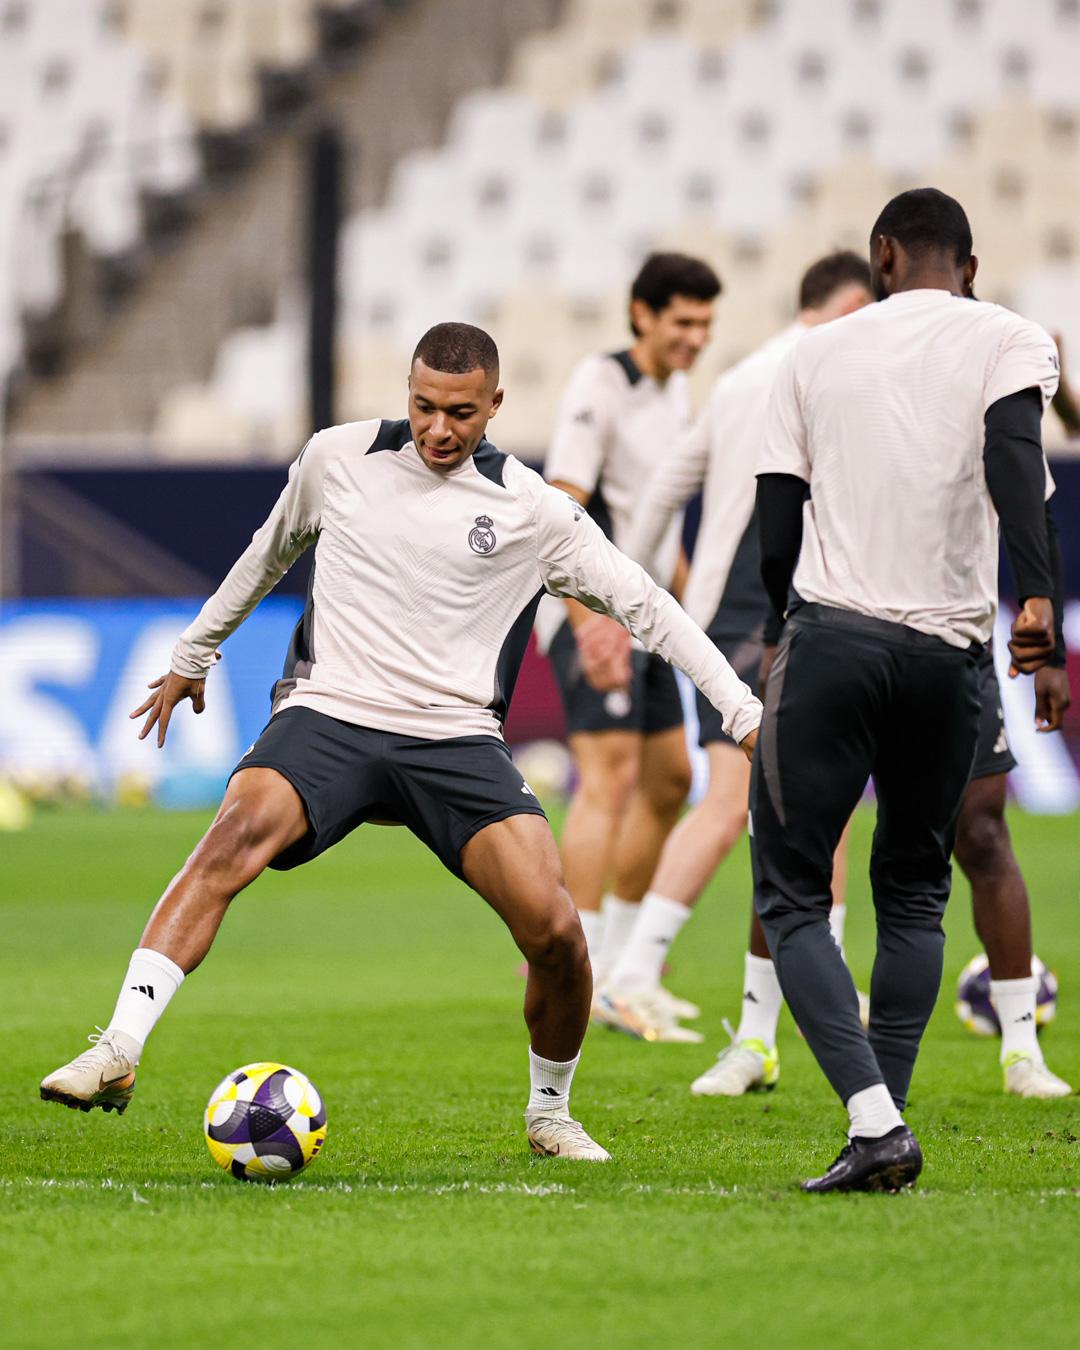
{"points": [[975, 1008], [264, 1122]]}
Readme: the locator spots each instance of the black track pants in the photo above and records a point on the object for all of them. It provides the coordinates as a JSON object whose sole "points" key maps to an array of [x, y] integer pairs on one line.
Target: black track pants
{"points": [[851, 698]]}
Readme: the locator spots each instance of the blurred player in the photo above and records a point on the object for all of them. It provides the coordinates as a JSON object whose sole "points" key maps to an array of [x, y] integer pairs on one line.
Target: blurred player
{"points": [[725, 595], [623, 712], [432, 550], [914, 427]]}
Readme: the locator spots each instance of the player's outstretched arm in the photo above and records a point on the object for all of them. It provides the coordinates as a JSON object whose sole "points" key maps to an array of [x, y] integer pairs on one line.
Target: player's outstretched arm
{"points": [[575, 559], [291, 526]]}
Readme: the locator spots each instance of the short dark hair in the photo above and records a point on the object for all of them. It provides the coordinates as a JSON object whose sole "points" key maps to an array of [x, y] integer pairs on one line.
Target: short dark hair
{"points": [[823, 279], [666, 275], [925, 220], [457, 348]]}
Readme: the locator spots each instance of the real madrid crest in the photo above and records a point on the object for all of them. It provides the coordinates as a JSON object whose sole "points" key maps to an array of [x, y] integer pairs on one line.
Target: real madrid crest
{"points": [[482, 536]]}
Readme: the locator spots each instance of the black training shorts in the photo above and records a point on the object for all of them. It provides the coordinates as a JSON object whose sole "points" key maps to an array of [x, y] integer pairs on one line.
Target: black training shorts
{"points": [[992, 754], [444, 791], [650, 705]]}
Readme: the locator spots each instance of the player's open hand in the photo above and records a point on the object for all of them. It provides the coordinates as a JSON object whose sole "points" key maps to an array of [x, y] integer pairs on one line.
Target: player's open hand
{"points": [[746, 745], [604, 652], [1032, 642], [169, 690], [1052, 698]]}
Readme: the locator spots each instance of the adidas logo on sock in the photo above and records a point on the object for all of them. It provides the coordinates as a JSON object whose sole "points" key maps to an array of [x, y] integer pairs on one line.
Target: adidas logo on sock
{"points": [[549, 1092], [1027, 1017], [147, 989], [750, 996]]}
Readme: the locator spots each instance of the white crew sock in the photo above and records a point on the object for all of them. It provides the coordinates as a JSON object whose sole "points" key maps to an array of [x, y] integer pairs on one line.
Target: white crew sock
{"points": [[762, 1001], [619, 917], [837, 916], [150, 982], [872, 1113], [642, 958], [592, 925], [549, 1085], [1015, 1004]]}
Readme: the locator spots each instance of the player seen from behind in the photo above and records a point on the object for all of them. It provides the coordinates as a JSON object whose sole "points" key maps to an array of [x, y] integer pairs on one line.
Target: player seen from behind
{"points": [[913, 426], [432, 550]]}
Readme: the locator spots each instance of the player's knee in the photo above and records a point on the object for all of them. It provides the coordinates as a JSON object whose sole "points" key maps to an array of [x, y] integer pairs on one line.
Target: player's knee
{"points": [[982, 842], [726, 817], [556, 941], [668, 788], [608, 785], [239, 844]]}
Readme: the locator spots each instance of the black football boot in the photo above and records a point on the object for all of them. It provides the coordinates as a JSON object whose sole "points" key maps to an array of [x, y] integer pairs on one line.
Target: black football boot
{"points": [[890, 1163]]}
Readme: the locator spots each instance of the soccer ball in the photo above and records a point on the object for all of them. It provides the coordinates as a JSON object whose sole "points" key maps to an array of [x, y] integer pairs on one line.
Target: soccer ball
{"points": [[264, 1122], [975, 1009]]}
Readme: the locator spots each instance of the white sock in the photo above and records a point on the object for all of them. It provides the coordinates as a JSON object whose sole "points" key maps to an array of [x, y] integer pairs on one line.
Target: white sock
{"points": [[549, 1085], [872, 1113], [762, 1001], [592, 925], [150, 982], [642, 958], [837, 915], [1015, 1004], [619, 917]]}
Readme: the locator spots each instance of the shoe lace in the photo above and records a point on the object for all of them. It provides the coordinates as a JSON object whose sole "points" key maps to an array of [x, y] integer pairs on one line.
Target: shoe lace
{"points": [[101, 1045]]}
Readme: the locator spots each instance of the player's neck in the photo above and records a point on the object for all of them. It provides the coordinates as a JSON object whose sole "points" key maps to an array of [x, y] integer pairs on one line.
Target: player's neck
{"points": [[929, 279], [647, 363]]}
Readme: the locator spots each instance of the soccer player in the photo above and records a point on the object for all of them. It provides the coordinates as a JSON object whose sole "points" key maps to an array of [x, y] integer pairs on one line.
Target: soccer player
{"points": [[623, 713], [897, 440], [432, 550], [725, 595]]}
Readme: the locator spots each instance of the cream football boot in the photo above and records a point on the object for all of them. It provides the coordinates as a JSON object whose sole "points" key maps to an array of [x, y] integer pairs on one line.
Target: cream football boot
{"points": [[745, 1066], [646, 1016], [562, 1137], [102, 1076], [1026, 1076]]}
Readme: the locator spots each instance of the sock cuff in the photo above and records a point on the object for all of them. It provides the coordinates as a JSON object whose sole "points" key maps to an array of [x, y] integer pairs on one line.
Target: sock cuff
{"points": [[762, 965], [1029, 984], [552, 1065], [162, 962], [673, 908], [613, 905]]}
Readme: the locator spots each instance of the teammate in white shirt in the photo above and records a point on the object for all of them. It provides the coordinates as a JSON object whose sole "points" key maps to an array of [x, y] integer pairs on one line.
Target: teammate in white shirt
{"points": [[898, 439], [432, 550], [724, 593], [623, 712]]}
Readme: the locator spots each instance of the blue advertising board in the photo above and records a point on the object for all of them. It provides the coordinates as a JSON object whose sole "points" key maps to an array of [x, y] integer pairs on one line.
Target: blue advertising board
{"points": [[71, 671]]}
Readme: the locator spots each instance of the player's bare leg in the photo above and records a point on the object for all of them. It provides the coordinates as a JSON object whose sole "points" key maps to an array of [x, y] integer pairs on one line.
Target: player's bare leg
{"points": [[260, 815], [514, 865], [608, 764], [1002, 914], [691, 853], [651, 813], [751, 1062]]}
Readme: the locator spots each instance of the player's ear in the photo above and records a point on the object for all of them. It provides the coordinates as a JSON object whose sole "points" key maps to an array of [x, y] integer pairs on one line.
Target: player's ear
{"points": [[970, 268], [641, 317], [496, 402]]}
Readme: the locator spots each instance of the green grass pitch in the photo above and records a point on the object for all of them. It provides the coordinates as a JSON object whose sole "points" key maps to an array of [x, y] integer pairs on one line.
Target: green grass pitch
{"points": [[425, 1221]]}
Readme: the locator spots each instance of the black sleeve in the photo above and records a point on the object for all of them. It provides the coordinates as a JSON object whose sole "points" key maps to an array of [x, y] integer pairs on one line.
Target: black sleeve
{"points": [[780, 498], [1016, 480], [1057, 571]]}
